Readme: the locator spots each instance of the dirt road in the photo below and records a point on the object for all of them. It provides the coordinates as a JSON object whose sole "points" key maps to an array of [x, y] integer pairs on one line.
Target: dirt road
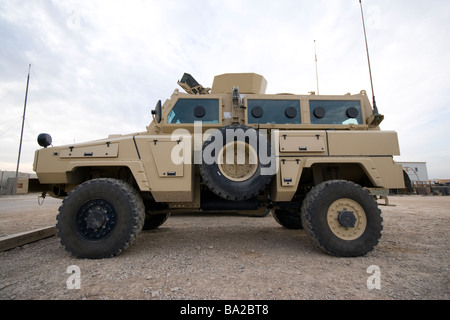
{"points": [[233, 257]]}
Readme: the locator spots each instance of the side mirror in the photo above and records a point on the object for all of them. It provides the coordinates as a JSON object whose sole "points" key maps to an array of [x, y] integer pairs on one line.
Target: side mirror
{"points": [[44, 140], [157, 112]]}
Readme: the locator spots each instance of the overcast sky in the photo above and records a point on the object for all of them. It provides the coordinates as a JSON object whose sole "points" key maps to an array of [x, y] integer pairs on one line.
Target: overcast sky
{"points": [[99, 67]]}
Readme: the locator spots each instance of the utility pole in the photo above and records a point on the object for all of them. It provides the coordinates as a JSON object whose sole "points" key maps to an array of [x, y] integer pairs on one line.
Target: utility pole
{"points": [[23, 121]]}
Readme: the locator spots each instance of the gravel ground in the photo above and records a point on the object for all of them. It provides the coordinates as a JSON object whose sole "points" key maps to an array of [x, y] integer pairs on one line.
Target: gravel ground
{"points": [[226, 256]]}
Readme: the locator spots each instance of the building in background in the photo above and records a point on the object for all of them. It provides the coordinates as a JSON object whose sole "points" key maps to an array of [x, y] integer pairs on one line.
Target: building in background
{"points": [[9, 184], [417, 171], [420, 183]]}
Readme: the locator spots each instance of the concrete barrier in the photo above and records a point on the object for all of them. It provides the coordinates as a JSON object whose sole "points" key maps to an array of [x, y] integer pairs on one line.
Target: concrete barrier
{"points": [[19, 239]]}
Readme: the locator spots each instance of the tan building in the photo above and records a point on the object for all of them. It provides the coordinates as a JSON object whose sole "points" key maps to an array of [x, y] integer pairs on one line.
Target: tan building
{"points": [[7, 181]]}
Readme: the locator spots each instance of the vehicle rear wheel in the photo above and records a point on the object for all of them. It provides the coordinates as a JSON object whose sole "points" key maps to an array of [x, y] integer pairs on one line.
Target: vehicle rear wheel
{"points": [[100, 218], [342, 218]]}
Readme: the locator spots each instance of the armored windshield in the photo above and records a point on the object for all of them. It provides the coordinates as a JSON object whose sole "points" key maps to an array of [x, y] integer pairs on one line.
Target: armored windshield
{"points": [[274, 111], [190, 110], [335, 111]]}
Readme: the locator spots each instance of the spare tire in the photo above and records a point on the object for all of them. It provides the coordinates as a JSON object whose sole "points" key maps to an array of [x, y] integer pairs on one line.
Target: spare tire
{"points": [[237, 162]]}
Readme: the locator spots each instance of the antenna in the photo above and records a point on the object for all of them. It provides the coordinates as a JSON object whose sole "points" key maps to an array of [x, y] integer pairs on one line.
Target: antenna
{"points": [[375, 109], [317, 74]]}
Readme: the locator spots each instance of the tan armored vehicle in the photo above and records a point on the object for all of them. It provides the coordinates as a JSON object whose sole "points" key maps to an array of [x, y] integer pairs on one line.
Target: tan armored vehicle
{"points": [[318, 162]]}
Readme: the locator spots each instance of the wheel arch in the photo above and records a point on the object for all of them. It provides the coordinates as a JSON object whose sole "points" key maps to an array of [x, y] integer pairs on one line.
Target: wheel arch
{"points": [[131, 172], [361, 171], [364, 171]]}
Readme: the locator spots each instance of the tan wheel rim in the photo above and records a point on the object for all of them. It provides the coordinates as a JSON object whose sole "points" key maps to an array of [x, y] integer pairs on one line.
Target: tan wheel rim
{"points": [[347, 208], [237, 161]]}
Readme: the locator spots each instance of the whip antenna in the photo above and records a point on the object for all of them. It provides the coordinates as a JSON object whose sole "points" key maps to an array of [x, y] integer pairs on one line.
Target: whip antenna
{"points": [[375, 109], [317, 74]]}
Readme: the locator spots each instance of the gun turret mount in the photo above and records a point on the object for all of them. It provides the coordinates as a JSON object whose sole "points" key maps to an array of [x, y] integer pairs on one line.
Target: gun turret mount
{"points": [[191, 86]]}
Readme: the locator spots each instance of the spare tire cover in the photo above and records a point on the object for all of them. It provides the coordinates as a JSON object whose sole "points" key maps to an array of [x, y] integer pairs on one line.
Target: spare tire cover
{"points": [[237, 162]]}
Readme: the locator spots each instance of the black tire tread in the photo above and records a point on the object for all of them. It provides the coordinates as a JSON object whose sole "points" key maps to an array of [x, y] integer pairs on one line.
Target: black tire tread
{"points": [[138, 215], [288, 219], [154, 221], [224, 191], [307, 213]]}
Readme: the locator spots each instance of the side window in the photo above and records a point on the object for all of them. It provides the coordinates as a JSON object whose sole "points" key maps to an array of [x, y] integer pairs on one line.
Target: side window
{"points": [[190, 110], [335, 111], [274, 111]]}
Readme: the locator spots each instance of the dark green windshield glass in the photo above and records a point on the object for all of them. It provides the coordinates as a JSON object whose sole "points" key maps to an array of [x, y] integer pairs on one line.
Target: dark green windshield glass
{"points": [[335, 111], [190, 110], [274, 111]]}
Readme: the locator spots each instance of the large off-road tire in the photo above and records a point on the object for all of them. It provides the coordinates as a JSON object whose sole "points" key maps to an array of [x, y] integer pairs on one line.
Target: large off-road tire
{"points": [[342, 218], [100, 218], [290, 219], [236, 181]]}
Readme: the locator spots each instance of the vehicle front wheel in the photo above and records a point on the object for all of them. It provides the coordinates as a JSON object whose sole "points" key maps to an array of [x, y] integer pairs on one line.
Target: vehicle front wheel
{"points": [[342, 218], [100, 218]]}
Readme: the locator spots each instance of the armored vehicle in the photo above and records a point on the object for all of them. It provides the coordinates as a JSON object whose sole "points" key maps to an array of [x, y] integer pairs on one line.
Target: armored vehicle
{"points": [[317, 162]]}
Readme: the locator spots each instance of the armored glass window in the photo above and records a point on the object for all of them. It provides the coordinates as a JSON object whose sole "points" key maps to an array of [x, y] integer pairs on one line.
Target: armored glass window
{"points": [[335, 111], [190, 110], [274, 111]]}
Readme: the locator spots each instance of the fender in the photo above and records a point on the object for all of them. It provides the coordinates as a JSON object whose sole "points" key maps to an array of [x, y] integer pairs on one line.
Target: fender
{"points": [[136, 169], [288, 177]]}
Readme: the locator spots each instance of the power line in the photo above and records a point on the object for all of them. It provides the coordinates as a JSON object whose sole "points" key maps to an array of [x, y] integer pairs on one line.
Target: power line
{"points": [[17, 83], [9, 128], [10, 120], [29, 127]]}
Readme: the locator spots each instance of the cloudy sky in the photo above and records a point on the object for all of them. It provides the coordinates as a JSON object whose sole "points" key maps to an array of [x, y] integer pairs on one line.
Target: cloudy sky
{"points": [[99, 67]]}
